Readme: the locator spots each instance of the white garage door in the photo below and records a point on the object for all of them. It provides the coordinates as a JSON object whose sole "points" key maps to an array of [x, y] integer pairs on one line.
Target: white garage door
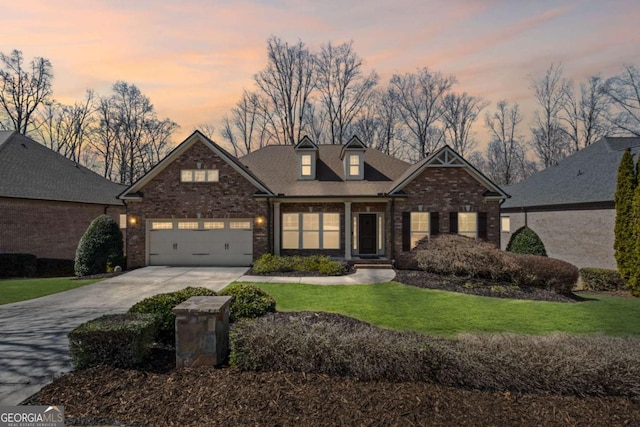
{"points": [[205, 242]]}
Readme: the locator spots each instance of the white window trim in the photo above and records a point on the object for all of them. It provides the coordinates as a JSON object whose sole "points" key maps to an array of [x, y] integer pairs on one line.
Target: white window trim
{"points": [[301, 230], [422, 233], [211, 175]]}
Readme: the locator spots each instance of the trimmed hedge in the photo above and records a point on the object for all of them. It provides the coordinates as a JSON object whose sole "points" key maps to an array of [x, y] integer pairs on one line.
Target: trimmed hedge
{"points": [[337, 345], [269, 263], [249, 301], [601, 279], [161, 306], [18, 265], [100, 247], [121, 340], [526, 241], [54, 267], [461, 256]]}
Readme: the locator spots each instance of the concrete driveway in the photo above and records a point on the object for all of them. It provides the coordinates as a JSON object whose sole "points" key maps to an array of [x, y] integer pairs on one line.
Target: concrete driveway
{"points": [[33, 334]]}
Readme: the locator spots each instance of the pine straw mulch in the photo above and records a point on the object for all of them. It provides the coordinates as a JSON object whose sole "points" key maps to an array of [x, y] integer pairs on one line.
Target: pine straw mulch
{"points": [[212, 397], [488, 288]]}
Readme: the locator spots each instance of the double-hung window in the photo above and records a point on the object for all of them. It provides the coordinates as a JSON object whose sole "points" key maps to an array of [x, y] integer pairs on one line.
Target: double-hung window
{"points": [[311, 231], [419, 227], [468, 224]]}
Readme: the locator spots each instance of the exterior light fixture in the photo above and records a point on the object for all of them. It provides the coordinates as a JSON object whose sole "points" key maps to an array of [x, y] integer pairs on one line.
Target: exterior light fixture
{"points": [[133, 220], [260, 220]]}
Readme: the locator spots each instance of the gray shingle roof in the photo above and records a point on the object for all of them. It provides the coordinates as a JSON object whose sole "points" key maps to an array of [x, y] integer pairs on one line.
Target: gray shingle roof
{"points": [[29, 170], [276, 166], [587, 176]]}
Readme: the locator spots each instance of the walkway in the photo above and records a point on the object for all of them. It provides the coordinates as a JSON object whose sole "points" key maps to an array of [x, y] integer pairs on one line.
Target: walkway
{"points": [[362, 276]]}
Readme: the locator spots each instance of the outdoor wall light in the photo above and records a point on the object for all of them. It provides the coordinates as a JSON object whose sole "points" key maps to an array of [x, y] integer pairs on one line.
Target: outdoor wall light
{"points": [[133, 220], [260, 220]]}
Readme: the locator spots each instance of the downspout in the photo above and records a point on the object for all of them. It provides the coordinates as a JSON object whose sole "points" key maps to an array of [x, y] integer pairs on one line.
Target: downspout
{"points": [[393, 232]]}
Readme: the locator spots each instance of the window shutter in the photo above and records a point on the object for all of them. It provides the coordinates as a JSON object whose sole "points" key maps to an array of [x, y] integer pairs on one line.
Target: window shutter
{"points": [[482, 225], [434, 221], [453, 222], [406, 231]]}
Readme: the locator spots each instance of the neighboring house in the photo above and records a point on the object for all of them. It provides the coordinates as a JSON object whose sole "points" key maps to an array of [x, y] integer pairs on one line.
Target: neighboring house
{"points": [[46, 200], [571, 205], [202, 206]]}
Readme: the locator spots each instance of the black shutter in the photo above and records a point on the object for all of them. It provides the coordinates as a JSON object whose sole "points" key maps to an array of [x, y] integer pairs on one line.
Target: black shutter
{"points": [[453, 222], [434, 223], [482, 225], [406, 231]]}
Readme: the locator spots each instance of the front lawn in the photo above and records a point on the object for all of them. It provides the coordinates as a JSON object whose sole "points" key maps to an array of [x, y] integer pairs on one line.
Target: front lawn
{"points": [[397, 306], [14, 290]]}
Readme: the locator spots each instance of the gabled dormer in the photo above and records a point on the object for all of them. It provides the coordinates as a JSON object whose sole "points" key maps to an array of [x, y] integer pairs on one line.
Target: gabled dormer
{"points": [[307, 153], [352, 155]]}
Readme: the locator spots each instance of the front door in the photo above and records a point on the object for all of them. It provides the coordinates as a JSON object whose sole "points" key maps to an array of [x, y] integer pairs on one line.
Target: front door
{"points": [[367, 234]]}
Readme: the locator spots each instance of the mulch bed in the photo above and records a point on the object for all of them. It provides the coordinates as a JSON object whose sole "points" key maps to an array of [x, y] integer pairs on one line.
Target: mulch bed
{"points": [[207, 396], [489, 288]]}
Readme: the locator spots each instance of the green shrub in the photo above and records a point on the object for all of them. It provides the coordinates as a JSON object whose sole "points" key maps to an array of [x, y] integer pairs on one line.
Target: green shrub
{"points": [[18, 265], [332, 344], [161, 306], [269, 263], [120, 340], [249, 301], [526, 241], [625, 235], [100, 247], [601, 279], [461, 256]]}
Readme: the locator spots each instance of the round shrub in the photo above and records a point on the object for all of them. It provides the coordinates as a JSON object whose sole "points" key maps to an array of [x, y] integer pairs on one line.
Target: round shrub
{"points": [[100, 247], [526, 241], [162, 305], [249, 301]]}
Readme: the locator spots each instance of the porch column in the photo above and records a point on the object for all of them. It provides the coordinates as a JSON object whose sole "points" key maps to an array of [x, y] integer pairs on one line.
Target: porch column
{"points": [[347, 230], [276, 228]]}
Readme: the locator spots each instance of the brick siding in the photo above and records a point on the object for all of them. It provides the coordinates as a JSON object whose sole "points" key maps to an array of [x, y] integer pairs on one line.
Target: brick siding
{"points": [[166, 197], [47, 229], [444, 190]]}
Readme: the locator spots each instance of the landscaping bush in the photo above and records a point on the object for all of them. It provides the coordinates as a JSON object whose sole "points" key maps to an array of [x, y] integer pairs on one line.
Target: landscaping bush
{"points": [[462, 256], [18, 265], [601, 279], [53, 267], [120, 340], [161, 306], [336, 345], [525, 241], [268, 264], [100, 247], [249, 301]]}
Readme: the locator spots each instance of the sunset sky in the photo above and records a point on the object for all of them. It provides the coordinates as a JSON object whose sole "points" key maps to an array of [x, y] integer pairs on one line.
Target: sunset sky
{"points": [[194, 57]]}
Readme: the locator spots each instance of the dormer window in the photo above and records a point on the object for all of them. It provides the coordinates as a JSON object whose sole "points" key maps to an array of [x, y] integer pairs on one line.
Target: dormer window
{"points": [[307, 153], [305, 166], [352, 155], [354, 165]]}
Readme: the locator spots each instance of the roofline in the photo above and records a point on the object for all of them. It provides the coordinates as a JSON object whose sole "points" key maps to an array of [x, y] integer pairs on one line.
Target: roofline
{"points": [[9, 138], [605, 204], [490, 185], [117, 201], [182, 147]]}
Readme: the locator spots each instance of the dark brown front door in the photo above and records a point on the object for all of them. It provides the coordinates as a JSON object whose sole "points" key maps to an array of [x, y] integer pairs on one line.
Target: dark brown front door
{"points": [[367, 233]]}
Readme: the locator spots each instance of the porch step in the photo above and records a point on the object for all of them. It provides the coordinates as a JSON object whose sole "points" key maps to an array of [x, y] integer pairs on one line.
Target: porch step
{"points": [[371, 266]]}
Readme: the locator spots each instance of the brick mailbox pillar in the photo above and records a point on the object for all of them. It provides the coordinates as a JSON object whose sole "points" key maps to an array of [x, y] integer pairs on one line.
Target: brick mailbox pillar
{"points": [[202, 331]]}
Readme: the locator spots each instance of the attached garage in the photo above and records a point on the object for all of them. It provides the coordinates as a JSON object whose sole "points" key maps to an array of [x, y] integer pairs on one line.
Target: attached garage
{"points": [[200, 242]]}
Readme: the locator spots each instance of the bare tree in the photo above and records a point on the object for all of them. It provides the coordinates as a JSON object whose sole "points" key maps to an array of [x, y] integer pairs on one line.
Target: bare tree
{"points": [[343, 87], [66, 128], [550, 140], [419, 98], [585, 116], [208, 129], [287, 82], [624, 92], [103, 138], [389, 131], [505, 153], [250, 126], [23, 91], [459, 112]]}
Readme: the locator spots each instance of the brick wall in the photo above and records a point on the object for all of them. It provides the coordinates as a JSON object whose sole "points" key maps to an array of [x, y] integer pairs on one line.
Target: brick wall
{"points": [[47, 229], [444, 190], [166, 197]]}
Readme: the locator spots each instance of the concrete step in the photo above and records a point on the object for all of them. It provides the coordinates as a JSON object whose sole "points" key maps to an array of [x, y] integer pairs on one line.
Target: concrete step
{"points": [[371, 266]]}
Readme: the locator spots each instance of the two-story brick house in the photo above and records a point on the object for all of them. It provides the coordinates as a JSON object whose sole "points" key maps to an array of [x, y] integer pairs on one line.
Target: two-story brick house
{"points": [[202, 206]]}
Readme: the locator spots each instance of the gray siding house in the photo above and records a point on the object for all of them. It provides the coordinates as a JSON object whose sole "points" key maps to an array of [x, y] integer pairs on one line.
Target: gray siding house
{"points": [[571, 205]]}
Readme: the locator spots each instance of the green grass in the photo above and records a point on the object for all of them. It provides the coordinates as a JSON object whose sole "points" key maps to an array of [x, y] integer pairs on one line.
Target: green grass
{"points": [[397, 306], [14, 290]]}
